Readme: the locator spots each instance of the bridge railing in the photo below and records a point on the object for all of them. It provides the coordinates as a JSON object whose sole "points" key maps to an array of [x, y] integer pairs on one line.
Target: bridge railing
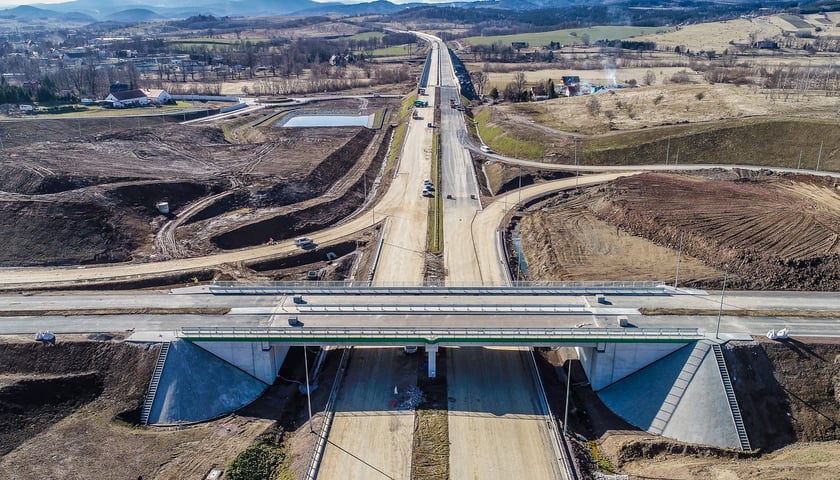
{"points": [[432, 334], [442, 284], [445, 308]]}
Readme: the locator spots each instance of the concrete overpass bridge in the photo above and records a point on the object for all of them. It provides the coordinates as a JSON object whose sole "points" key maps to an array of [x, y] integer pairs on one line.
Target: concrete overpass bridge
{"points": [[647, 342], [627, 365]]}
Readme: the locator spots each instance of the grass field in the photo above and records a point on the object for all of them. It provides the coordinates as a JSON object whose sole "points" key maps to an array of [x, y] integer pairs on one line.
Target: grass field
{"points": [[120, 112], [502, 141], [720, 36], [213, 42], [775, 143], [395, 51], [568, 37], [364, 36]]}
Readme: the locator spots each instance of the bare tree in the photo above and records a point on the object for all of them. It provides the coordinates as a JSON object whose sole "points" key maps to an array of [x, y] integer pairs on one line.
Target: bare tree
{"points": [[650, 77], [479, 80], [519, 84]]}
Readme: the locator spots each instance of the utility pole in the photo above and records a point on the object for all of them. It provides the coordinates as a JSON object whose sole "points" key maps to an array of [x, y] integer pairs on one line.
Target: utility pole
{"points": [[819, 156], [568, 384], [799, 165], [577, 170], [308, 392], [720, 310], [679, 257], [668, 151]]}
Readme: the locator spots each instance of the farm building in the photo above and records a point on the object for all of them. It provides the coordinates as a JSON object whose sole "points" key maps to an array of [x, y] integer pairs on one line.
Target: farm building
{"points": [[128, 98], [157, 96], [133, 98]]}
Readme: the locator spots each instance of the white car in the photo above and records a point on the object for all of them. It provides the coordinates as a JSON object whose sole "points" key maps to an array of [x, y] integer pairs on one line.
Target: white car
{"points": [[486, 149], [303, 241]]}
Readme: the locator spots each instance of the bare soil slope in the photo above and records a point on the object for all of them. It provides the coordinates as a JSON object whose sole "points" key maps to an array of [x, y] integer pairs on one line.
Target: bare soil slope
{"points": [[787, 392], [90, 198], [768, 231]]}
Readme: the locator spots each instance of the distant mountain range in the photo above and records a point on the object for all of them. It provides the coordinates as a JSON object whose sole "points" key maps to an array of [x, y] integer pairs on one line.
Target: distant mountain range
{"points": [[88, 11], [127, 11]]}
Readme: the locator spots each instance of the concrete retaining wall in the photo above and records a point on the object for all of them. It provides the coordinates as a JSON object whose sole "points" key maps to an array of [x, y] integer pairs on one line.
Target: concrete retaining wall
{"points": [[608, 363], [258, 359]]}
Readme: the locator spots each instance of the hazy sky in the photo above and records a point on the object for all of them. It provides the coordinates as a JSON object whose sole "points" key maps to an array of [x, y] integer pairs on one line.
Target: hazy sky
{"points": [[14, 3]]}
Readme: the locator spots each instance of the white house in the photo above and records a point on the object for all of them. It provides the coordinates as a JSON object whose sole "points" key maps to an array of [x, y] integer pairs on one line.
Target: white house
{"points": [[128, 98], [156, 95]]}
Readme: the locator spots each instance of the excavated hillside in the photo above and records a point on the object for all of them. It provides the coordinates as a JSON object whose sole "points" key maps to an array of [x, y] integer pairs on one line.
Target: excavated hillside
{"points": [[788, 395], [73, 198], [768, 231]]}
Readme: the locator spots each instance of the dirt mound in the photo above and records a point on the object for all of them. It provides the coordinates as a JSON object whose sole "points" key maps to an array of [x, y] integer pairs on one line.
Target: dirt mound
{"points": [[808, 372], [787, 392], [165, 133], [310, 217], [31, 405], [85, 192], [768, 231], [49, 233], [41, 384], [783, 233]]}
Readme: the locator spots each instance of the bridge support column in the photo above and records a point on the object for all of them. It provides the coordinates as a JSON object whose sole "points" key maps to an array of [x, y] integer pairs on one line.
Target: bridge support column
{"points": [[432, 351]]}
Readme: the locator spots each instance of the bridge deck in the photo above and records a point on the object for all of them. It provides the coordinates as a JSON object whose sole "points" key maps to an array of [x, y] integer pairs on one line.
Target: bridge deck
{"points": [[441, 336], [518, 289]]}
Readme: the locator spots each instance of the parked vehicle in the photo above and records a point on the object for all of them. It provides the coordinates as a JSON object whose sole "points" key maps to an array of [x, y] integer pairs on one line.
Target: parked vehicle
{"points": [[303, 241]]}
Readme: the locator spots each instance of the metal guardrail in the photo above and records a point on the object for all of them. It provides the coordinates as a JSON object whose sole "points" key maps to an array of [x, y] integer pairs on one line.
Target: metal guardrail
{"points": [[500, 308], [561, 448], [363, 288], [443, 284], [326, 423], [438, 334]]}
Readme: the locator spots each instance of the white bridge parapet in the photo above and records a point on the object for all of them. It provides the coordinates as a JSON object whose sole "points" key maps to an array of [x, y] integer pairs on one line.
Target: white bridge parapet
{"points": [[443, 336]]}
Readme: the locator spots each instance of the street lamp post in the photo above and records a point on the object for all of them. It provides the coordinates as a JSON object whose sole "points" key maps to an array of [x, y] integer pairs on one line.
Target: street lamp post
{"points": [[720, 310], [568, 386], [308, 391]]}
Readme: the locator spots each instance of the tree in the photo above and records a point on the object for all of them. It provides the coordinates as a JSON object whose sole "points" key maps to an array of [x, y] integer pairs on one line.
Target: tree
{"points": [[479, 80], [549, 85], [519, 86], [594, 106], [585, 38], [650, 77], [494, 93]]}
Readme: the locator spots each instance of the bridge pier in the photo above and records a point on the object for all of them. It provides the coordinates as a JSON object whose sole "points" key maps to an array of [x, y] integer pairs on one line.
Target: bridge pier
{"points": [[431, 350]]}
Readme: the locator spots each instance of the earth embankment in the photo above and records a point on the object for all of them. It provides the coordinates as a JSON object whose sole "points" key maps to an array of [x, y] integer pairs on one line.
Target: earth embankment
{"points": [[768, 231]]}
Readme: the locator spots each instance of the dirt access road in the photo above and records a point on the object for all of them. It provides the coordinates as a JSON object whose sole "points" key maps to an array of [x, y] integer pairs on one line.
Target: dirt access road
{"points": [[370, 438]]}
